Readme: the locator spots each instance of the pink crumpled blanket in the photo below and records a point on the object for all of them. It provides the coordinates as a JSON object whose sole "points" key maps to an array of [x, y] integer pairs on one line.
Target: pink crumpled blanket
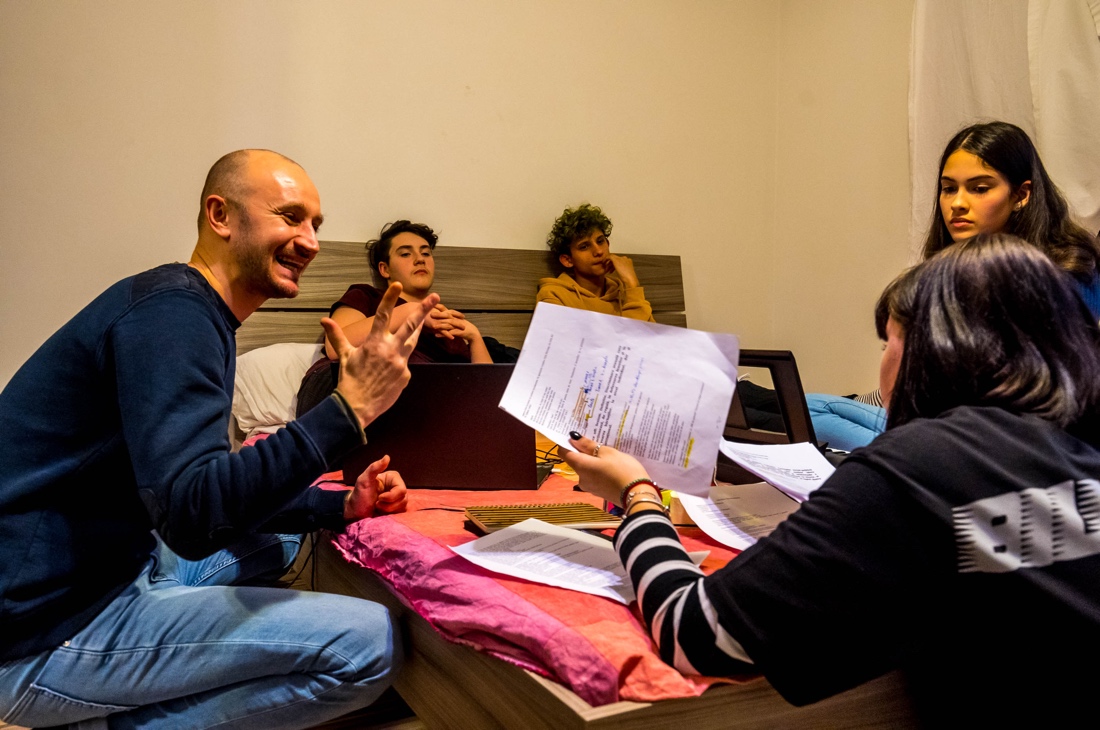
{"points": [[595, 646]]}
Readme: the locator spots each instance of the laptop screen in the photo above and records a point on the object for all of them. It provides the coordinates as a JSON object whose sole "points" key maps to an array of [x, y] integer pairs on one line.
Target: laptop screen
{"points": [[446, 431]]}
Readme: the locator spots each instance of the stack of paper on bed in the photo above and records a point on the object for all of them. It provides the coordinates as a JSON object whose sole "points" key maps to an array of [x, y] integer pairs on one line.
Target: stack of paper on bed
{"points": [[794, 469], [738, 515], [556, 556]]}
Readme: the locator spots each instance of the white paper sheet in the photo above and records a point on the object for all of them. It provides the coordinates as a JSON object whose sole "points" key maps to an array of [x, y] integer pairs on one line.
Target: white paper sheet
{"points": [[657, 392], [738, 515], [797, 469], [558, 556]]}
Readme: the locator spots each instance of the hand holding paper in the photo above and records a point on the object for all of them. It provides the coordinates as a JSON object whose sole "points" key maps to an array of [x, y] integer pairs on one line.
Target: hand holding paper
{"points": [[658, 393], [604, 475]]}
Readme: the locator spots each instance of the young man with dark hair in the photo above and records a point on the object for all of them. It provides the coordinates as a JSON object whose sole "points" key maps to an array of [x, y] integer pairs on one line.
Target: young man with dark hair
{"points": [[403, 253]]}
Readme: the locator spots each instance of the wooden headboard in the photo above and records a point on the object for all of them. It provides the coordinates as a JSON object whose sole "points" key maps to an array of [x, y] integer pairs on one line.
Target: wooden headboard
{"points": [[494, 287]]}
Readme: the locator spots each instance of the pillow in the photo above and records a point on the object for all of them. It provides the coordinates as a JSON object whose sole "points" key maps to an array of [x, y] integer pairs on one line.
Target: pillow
{"points": [[265, 393]]}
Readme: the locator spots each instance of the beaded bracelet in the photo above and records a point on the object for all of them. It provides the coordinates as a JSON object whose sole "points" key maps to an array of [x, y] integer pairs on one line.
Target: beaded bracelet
{"points": [[636, 482]]}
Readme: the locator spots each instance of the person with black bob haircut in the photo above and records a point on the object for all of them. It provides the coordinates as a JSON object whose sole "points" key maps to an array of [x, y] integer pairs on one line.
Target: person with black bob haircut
{"points": [[988, 334], [962, 546]]}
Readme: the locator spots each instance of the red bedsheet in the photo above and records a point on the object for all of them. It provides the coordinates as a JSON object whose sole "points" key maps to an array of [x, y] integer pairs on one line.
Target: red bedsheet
{"points": [[593, 645]]}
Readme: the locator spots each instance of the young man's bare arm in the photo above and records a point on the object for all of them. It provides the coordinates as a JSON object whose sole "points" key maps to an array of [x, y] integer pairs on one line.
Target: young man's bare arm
{"points": [[478, 351], [459, 331], [357, 325]]}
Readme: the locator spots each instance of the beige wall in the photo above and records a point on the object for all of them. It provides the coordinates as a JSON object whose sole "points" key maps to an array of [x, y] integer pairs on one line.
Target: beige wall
{"points": [[765, 142], [841, 183]]}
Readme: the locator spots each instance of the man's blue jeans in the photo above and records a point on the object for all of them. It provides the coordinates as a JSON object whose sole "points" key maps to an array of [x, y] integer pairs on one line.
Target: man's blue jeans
{"points": [[186, 646], [844, 423]]}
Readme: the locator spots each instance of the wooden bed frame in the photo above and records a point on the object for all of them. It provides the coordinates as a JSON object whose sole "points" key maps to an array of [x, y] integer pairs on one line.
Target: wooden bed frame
{"points": [[494, 287], [453, 686]]}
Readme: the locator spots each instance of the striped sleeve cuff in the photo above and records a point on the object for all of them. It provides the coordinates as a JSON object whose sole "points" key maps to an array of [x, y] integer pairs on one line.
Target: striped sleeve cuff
{"points": [[673, 599], [874, 398]]}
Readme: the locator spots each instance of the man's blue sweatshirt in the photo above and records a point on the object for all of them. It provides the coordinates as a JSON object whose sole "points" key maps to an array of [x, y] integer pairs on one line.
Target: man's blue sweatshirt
{"points": [[118, 425]]}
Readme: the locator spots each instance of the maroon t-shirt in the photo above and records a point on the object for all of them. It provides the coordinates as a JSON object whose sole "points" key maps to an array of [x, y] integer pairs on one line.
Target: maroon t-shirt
{"points": [[365, 298]]}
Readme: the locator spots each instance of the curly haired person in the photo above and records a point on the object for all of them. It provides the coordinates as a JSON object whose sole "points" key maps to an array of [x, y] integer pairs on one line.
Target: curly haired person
{"points": [[593, 278]]}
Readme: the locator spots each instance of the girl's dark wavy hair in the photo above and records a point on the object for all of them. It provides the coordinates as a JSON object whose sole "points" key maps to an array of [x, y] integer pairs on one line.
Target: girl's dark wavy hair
{"points": [[378, 249], [992, 322], [576, 223], [1044, 221]]}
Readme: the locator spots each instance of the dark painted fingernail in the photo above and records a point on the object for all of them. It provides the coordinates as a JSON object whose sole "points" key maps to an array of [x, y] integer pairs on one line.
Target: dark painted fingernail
{"points": [[574, 435]]}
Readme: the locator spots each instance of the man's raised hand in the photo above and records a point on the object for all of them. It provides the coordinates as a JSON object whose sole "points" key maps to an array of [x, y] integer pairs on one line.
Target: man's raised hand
{"points": [[373, 375]]}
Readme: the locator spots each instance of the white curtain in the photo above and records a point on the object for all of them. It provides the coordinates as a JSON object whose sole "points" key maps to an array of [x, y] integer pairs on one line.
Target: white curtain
{"points": [[1035, 63]]}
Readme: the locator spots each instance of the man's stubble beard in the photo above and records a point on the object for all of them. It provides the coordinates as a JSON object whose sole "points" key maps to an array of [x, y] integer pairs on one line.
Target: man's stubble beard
{"points": [[255, 262]]}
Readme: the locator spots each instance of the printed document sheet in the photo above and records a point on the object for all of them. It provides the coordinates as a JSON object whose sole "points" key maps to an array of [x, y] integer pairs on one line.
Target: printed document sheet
{"points": [[657, 392], [558, 556], [738, 515], [797, 469]]}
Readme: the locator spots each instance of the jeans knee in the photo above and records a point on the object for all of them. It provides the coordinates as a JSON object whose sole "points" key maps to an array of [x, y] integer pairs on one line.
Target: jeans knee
{"points": [[385, 668], [820, 403], [369, 643]]}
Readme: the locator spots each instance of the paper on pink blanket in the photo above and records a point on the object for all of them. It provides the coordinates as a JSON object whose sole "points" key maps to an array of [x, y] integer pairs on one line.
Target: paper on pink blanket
{"points": [[597, 648]]}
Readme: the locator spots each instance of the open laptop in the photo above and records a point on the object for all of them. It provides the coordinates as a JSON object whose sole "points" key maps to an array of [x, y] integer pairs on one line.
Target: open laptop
{"points": [[446, 431]]}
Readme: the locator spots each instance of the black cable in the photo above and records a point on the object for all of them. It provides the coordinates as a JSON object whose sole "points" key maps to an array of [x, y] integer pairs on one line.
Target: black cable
{"points": [[312, 561], [547, 457]]}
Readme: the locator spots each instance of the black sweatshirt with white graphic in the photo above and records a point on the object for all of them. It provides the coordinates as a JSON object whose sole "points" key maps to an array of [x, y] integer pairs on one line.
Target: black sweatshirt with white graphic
{"points": [[963, 549]]}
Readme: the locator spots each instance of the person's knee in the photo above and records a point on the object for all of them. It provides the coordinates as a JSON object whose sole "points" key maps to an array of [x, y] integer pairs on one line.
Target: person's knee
{"points": [[286, 551], [839, 432], [835, 404], [822, 404], [371, 643]]}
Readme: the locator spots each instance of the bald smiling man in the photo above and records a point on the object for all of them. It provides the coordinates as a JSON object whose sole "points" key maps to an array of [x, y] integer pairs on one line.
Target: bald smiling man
{"points": [[134, 543]]}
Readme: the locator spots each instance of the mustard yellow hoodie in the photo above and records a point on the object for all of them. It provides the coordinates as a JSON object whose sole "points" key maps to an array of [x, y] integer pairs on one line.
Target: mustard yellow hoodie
{"points": [[617, 299]]}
